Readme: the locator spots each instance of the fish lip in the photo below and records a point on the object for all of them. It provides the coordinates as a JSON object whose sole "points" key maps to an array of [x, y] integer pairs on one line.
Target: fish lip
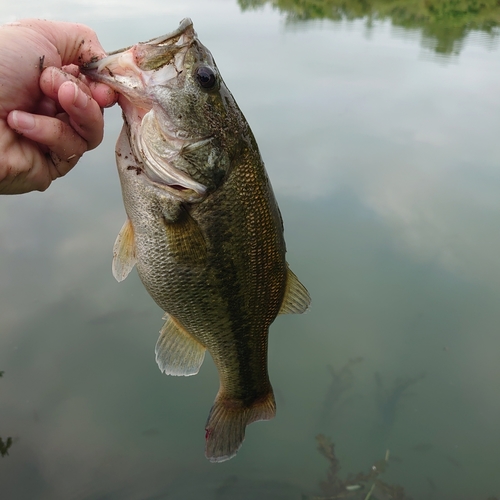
{"points": [[128, 70], [181, 29], [158, 41]]}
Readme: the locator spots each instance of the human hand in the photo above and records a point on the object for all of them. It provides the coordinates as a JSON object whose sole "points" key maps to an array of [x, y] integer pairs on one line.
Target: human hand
{"points": [[49, 113]]}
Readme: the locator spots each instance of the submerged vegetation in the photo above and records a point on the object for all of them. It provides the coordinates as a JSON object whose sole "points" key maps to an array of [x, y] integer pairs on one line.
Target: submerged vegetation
{"points": [[5, 444], [444, 24], [362, 486], [341, 382], [389, 400]]}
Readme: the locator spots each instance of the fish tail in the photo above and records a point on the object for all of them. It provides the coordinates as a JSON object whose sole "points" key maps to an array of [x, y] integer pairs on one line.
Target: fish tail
{"points": [[228, 418]]}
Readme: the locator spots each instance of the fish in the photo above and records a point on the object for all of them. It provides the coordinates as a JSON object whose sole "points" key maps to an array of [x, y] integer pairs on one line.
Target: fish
{"points": [[203, 227]]}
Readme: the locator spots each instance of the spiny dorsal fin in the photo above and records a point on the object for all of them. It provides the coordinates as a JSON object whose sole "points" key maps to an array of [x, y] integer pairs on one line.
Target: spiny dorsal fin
{"points": [[297, 298], [124, 252], [177, 352]]}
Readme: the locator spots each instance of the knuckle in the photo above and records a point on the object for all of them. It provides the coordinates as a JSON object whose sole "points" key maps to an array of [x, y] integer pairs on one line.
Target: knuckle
{"points": [[7, 172], [18, 176]]}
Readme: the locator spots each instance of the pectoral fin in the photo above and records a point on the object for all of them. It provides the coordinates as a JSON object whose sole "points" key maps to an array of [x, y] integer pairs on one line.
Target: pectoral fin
{"points": [[177, 352], [124, 252], [185, 240], [297, 298]]}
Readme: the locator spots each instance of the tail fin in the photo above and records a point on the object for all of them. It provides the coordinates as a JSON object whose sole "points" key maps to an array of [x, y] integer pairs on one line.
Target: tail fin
{"points": [[225, 429]]}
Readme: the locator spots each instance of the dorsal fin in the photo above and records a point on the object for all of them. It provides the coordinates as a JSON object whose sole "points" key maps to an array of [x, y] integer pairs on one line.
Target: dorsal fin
{"points": [[124, 252], [178, 352], [297, 298]]}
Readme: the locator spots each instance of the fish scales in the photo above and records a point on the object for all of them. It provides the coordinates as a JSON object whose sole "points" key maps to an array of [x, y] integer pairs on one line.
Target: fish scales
{"points": [[251, 276], [203, 227]]}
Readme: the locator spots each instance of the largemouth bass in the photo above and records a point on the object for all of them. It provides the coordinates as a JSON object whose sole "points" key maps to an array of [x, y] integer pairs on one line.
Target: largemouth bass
{"points": [[203, 227]]}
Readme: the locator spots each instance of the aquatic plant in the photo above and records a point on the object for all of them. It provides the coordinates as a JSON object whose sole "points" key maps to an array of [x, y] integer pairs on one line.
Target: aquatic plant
{"points": [[362, 486], [389, 400], [341, 381], [5, 445]]}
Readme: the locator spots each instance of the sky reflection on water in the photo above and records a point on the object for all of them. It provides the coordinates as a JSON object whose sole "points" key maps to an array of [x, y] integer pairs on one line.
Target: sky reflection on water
{"points": [[384, 159]]}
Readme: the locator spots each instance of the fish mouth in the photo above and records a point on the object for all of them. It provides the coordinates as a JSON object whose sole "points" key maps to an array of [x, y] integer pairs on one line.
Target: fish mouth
{"points": [[133, 72]]}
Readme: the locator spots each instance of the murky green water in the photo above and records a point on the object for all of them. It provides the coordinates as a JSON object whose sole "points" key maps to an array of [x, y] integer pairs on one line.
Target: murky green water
{"points": [[380, 136]]}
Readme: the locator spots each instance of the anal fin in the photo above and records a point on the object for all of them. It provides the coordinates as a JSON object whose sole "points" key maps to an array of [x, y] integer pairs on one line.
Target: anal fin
{"points": [[124, 258], [178, 352], [297, 298]]}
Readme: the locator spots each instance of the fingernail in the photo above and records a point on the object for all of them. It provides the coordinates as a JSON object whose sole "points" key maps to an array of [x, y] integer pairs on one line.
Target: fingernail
{"points": [[22, 120], [81, 99]]}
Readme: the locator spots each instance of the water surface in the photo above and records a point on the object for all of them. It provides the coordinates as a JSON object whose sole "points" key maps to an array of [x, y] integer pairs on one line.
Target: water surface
{"points": [[381, 141]]}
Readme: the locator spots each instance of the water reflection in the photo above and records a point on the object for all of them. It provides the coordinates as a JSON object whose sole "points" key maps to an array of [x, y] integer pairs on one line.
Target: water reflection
{"points": [[444, 25]]}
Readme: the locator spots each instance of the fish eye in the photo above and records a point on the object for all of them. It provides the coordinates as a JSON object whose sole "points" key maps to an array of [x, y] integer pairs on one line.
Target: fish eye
{"points": [[206, 77]]}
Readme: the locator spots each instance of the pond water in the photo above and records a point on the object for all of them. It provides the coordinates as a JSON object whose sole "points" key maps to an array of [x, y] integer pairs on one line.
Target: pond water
{"points": [[380, 136]]}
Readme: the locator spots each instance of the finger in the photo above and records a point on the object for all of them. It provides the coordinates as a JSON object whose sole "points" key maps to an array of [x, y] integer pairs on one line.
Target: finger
{"points": [[75, 98], [104, 96], [72, 69], [85, 115], [46, 107], [52, 78], [59, 137]]}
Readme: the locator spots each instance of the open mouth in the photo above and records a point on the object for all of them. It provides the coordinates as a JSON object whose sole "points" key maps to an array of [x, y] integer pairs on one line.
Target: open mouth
{"points": [[133, 72], [130, 70]]}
